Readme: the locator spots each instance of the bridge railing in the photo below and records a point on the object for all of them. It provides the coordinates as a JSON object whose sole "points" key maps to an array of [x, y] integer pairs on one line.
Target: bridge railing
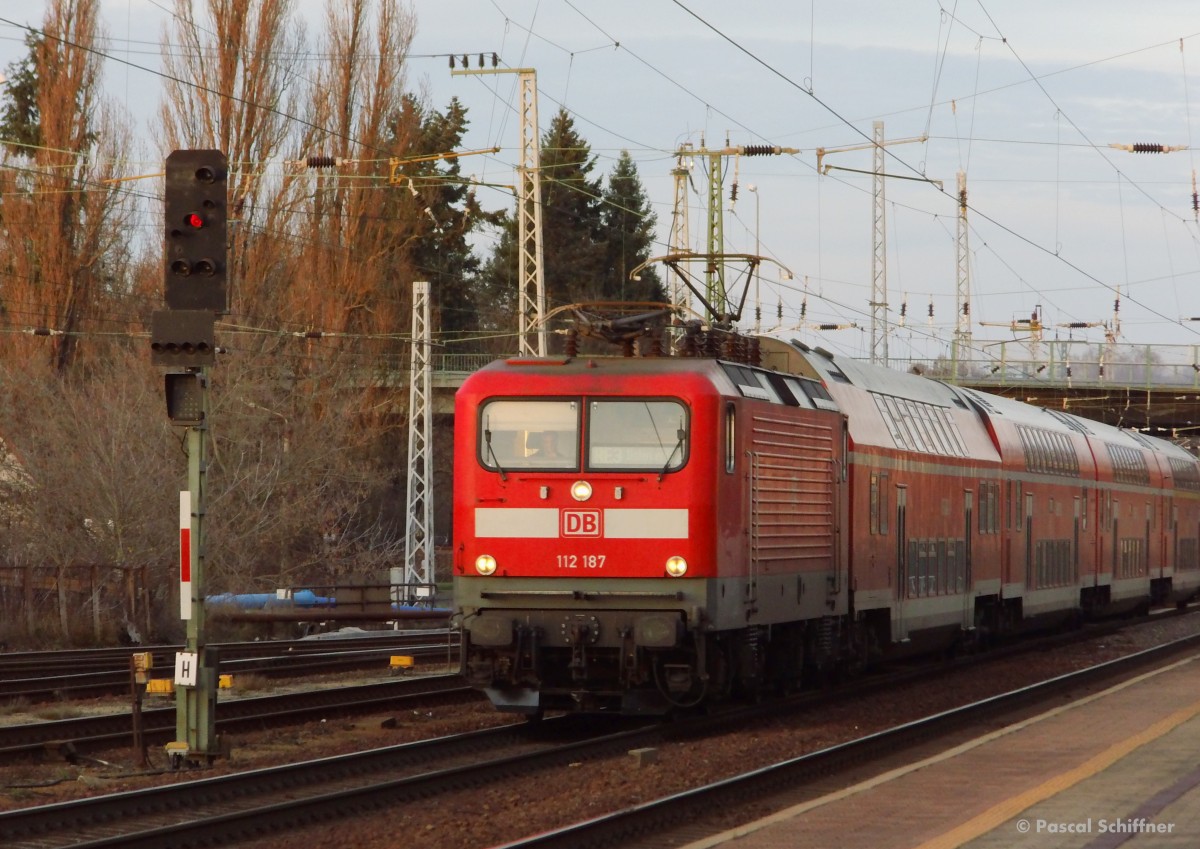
{"points": [[464, 363], [1068, 363]]}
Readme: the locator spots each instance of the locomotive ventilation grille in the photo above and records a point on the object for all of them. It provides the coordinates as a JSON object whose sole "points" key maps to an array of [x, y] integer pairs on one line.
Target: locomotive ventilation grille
{"points": [[792, 490]]}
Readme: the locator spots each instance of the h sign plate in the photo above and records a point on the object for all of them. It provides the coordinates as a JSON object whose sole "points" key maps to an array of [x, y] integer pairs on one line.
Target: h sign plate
{"points": [[580, 523], [186, 666]]}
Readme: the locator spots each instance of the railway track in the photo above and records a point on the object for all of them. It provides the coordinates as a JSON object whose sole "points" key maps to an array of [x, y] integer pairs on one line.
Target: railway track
{"points": [[39, 676], [115, 730], [321, 790], [218, 810]]}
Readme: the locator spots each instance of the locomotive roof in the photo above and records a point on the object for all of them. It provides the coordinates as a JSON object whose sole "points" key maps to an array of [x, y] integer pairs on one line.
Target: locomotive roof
{"points": [[589, 366]]}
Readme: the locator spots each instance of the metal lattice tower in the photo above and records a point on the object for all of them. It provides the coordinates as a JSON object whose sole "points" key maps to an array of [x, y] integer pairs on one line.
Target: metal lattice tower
{"points": [[680, 240], [962, 331], [417, 581], [531, 275], [532, 278], [879, 294], [715, 293]]}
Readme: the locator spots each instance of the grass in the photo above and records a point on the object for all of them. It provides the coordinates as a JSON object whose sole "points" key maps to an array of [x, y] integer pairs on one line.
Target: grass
{"points": [[14, 706], [49, 713]]}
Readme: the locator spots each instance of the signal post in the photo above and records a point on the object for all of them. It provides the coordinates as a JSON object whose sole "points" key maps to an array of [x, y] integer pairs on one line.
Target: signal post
{"points": [[182, 339]]}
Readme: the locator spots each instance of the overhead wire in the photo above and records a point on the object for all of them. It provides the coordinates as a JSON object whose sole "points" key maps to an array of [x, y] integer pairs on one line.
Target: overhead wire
{"points": [[585, 17], [895, 157], [707, 104]]}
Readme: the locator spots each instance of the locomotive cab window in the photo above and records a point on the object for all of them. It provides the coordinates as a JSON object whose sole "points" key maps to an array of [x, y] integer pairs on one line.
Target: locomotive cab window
{"points": [[529, 434], [645, 435]]}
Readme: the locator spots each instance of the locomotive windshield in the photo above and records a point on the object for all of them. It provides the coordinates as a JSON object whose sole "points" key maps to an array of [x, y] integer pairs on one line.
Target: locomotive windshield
{"points": [[627, 434], [637, 434], [529, 434]]}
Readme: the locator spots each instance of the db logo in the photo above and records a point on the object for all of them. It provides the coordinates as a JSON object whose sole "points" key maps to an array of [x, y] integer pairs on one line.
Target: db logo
{"points": [[580, 523]]}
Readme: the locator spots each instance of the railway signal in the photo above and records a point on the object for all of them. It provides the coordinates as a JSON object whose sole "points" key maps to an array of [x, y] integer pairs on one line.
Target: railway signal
{"points": [[194, 256], [183, 337], [185, 398], [194, 259]]}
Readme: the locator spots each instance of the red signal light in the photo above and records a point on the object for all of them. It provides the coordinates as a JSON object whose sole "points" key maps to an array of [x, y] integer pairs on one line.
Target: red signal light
{"points": [[194, 220]]}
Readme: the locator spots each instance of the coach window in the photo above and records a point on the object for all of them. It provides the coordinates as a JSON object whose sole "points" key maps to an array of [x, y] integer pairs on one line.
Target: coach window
{"points": [[529, 434], [644, 435]]}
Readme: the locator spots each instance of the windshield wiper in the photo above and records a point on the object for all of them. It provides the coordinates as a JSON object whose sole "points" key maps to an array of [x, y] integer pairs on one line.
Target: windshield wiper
{"points": [[682, 435], [487, 439]]}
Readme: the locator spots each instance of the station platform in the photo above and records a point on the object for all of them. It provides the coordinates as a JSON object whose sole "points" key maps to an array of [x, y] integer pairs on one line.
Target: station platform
{"points": [[1120, 767]]}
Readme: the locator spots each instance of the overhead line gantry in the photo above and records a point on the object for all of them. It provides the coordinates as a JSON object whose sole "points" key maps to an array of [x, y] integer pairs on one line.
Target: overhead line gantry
{"points": [[715, 296]]}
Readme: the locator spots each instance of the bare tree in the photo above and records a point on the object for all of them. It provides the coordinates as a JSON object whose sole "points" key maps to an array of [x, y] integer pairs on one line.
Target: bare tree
{"points": [[291, 475], [64, 216], [232, 81], [300, 428], [98, 472], [314, 250], [356, 278]]}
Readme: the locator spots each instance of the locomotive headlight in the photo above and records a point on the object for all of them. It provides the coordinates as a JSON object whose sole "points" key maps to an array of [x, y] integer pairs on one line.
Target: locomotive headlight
{"points": [[485, 564], [581, 490], [676, 566]]}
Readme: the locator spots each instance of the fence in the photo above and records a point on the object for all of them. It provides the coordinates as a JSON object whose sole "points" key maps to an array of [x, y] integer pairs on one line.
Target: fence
{"points": [[74, 602]]}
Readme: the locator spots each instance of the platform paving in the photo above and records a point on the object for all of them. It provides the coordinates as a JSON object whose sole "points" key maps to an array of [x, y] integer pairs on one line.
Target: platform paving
{"points": [[1120, 767]]}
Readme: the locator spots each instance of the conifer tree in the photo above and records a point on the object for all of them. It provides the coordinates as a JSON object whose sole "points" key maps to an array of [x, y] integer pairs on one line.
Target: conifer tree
{"points": [[629, 236], [572, 222], [574, 240], [20, 120], [448, 213]]}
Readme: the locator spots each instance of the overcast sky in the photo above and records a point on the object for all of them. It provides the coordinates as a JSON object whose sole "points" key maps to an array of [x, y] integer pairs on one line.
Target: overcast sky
{"points": [[1025, 97]]}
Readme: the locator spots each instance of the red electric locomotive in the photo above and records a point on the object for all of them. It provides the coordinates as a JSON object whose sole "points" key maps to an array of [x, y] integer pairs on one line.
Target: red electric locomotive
{"points": [[639, 534]]}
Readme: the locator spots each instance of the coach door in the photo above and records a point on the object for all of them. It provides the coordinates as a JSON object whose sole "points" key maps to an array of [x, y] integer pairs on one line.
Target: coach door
{"points": [[968, 612], [900, 629], [1173, 517], [1116, 540], [1077, 539], [1029, 585], [1149, 557]]}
